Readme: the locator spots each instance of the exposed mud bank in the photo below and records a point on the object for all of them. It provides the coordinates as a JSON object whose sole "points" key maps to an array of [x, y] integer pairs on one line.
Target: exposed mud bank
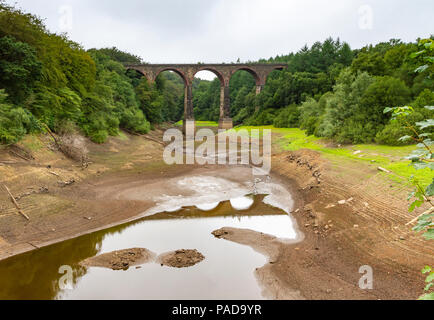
{"points": [[345, 211], [271, 247], [350, 218], [117, 198], [183, 258]]}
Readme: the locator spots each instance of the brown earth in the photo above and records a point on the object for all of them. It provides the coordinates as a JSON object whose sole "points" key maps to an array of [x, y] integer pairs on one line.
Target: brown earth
{"points": [[120, 260], [183, 258], [368, 228]]}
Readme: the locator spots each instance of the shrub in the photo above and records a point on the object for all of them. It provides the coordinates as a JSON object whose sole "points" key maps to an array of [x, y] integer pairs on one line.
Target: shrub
{"points": [[287, 117]]}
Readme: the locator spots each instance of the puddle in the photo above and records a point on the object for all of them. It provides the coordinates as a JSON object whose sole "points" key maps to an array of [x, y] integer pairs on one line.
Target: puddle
{"points": [[227, 272]]}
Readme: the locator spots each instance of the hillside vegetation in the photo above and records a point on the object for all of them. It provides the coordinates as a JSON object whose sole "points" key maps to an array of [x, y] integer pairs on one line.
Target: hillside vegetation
{"points": [[329, 90], [48, 80]]}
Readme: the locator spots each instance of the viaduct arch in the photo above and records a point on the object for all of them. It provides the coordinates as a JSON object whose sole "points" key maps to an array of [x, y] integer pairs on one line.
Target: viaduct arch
{"points": [[223, 72]]}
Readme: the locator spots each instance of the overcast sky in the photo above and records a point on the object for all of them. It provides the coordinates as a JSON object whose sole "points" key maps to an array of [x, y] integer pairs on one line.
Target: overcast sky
{"points": [[190, 31]]}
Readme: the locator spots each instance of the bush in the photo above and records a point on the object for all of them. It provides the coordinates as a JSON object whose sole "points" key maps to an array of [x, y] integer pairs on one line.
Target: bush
{"points": [[261, 118], [135, 120], [14, 121], [391, 133], [355, 131], [396, 129], [288, 117]]}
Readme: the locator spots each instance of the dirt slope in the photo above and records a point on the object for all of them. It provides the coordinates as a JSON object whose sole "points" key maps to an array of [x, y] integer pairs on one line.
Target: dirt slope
{"points": [[368, 228]]}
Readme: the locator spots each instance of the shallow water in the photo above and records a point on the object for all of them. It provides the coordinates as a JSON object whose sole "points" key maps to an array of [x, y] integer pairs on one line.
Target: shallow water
{"points": [[226, 273]]}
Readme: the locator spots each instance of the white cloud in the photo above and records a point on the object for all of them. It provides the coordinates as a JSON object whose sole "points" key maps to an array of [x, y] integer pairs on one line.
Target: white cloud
{"points": [[224, 30]]}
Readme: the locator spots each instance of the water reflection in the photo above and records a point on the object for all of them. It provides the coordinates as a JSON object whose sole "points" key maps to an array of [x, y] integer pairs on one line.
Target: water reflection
{"points": [[242, 203], [208, 206], [226, 273]]}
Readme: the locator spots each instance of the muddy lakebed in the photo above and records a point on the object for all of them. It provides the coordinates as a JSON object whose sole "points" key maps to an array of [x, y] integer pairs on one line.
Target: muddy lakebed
{"points": [[170, 251]]}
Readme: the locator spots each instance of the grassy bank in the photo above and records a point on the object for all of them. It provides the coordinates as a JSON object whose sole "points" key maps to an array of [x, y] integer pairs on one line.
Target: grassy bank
{"points": [[201, 123], [388, 157]]}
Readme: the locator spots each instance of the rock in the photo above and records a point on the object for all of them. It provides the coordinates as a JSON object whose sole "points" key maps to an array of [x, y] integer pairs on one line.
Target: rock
{"points": [[356, 226], [341, 202], [63, 184], [308, 207], [383, 170], [401, 238], [219, 233], [330, 206], [357, 152], [120, 260], [181, 258]]}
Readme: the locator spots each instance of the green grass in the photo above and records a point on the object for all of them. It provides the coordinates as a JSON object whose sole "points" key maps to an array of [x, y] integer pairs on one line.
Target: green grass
{"points": [[32, 142], [388, 157], [201, 123]]}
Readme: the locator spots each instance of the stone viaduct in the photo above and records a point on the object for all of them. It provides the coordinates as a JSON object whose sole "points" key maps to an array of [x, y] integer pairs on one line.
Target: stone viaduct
{"points": [[223, 72]]}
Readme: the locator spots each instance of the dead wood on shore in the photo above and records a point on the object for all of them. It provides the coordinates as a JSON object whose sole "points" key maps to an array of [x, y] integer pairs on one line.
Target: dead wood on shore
{"points": [[16, 203]]}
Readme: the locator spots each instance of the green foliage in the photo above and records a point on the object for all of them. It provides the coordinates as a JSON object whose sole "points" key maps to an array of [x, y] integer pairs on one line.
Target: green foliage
{"points": [[53, 81], [19, 68], [14, 121], [206, 99], [117, 55], [357, 86], [328, 89], [150, 101], [262, 117], [288, 117], [312, 115], [423, 157], [342, 110], [429, 271]]}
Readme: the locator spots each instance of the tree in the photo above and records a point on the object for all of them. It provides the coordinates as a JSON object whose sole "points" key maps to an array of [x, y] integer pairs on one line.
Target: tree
{"points": [[19, 68], [150, 101], [13, 121], [421, 158]]}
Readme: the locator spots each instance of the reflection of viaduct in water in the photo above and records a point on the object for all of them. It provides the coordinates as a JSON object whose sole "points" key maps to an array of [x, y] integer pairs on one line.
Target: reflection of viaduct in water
{"points": [[223, 71]]}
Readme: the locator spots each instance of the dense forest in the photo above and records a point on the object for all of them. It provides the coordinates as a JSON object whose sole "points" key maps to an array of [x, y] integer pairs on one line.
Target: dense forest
{"points": [[48, 82], [332, 91]]}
